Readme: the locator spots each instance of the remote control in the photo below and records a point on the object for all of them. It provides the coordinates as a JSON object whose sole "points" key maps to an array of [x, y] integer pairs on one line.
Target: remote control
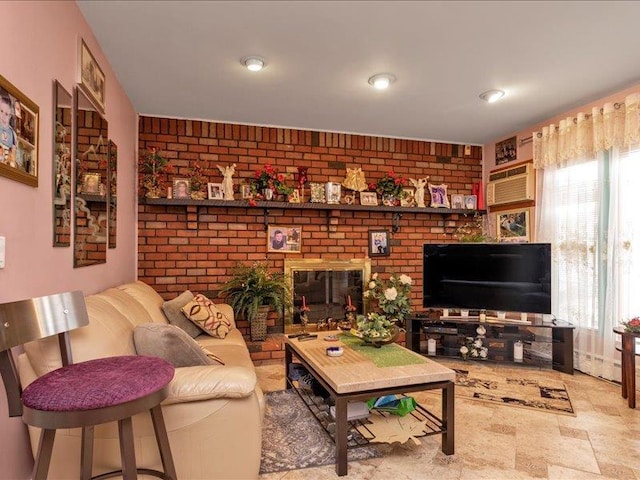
{"points": [[294, 335], [308, 337]]}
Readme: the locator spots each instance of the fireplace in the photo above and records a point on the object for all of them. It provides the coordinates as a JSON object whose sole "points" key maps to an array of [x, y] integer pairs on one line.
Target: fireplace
{"points": [[326, 286]]}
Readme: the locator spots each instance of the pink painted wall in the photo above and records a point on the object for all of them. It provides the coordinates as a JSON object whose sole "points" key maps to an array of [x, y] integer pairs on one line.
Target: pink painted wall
{"points": [[525, 152], [44, 42]]}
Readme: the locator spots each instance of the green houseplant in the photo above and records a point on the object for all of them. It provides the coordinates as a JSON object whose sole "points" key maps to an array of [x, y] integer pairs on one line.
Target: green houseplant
{"points": [[253, 291]]}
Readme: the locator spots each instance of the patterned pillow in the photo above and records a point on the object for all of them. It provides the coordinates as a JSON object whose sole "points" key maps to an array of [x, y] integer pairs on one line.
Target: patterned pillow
{"points": [[204, 313]]}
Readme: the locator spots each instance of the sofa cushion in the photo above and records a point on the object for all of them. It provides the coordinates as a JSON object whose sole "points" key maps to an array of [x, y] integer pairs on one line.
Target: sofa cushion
{"points": [[148, 297], [173, 311], [172, 344], [127, 305], [204, 313]]}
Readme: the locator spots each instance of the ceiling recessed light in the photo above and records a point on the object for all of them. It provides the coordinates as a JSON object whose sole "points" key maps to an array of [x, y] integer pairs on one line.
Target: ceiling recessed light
{"points": [[253, 63], [492, 95], [382, 80]]}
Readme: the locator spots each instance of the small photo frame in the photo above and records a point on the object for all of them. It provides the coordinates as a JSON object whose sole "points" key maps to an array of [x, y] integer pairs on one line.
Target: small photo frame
{"points": [[92, 77], [379, 243], [514, 225], [214, 191], [91, 184], [284, 239], [181, 188], [408, 198], [368, 198], [19, 139], [317, 193], [245, 191], [333, 192], [439, 197], [457, 201], [471, 202]]}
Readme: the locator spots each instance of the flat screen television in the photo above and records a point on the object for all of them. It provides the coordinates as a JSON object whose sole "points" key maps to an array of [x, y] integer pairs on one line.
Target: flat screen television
{"points": [[510, 277]]}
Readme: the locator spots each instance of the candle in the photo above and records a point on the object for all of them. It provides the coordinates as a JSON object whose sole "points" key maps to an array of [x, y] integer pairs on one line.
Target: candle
{"points": [[349, 300], [304, 302], [518, 352], [431, 346]]}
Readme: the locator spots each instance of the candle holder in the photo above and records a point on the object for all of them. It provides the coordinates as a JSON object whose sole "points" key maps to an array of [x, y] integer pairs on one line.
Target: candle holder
{"points": [[302, 180], [304, 321]]}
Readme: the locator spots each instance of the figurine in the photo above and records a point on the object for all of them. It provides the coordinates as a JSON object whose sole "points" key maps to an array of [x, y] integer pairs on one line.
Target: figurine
{"points": [[419, 195], [355, 180], [227, 182]]}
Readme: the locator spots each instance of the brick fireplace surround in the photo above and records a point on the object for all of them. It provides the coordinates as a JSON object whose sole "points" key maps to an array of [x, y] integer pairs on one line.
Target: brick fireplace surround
{"points": [[195, 248]]}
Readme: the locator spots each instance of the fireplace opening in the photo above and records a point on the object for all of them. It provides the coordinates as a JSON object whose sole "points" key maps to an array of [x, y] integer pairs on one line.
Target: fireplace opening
{"points": [[326, 286]]}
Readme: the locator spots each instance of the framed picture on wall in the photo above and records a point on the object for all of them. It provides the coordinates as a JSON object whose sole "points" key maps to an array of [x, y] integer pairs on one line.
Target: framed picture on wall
{"points": [[181, 188], [92, 79], [506, 150], [514, 225], [18, 135], [284, 239], [379, 245]]}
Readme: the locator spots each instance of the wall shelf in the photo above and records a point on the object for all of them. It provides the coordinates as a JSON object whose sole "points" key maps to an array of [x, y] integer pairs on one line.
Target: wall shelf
{"points": [[328, 208]]}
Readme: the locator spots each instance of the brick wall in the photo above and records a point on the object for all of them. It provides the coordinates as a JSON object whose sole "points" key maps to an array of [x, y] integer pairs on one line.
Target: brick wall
{"points": [[194, 248]]}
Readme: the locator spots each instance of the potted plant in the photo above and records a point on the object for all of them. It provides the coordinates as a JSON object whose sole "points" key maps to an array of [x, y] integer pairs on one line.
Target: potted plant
{"points": [[152, 168], [253, 291]]}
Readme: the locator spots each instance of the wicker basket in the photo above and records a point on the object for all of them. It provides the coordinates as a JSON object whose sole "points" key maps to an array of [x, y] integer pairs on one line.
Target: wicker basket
{"points": [[259, 324]]}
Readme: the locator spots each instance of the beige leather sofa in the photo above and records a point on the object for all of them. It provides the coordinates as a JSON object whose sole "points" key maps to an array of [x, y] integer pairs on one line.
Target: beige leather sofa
{"points": [[213, 413]]}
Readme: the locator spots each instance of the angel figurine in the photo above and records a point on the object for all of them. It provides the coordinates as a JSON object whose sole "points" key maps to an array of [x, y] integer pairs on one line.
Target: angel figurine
{"points": [[227, 182], [355, 180], [419, 195]]}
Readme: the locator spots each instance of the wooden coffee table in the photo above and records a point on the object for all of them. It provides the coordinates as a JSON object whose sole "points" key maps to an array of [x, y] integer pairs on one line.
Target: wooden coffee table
{"points": [[355, 377]]}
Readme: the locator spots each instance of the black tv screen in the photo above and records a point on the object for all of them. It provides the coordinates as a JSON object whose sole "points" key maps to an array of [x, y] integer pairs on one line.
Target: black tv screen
{"points": [[510, 277]]}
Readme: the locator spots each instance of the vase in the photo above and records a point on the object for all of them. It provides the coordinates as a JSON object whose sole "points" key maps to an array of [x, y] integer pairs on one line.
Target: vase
{"points": [[390, 200], [259, 324]]}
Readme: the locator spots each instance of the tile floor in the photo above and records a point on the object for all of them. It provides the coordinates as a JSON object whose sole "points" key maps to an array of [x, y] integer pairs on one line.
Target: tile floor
{"points": [[602, 441]]}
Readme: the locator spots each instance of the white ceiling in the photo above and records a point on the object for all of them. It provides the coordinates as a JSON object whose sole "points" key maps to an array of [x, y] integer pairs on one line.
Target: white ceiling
{"points": [[181, 59]]}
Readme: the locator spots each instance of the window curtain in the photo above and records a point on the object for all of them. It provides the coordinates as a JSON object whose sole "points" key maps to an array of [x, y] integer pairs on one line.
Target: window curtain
{"points": [[588, 170]]}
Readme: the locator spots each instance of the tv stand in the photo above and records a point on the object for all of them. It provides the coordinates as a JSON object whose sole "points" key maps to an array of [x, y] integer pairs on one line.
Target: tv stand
{"points": [[545, 342]]}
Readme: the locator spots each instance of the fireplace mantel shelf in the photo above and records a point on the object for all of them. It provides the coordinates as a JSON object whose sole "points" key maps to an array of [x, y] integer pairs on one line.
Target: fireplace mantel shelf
{"points": [[328, 208]]}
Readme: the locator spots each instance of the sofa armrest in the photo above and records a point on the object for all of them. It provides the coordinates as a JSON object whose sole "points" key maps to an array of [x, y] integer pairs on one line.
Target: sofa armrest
{"points": [[191, 384]]}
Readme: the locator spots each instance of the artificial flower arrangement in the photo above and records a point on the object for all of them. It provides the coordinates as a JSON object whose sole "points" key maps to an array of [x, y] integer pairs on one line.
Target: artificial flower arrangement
{"points": [[374, 326], [150, 169], [269, 177], [197, 182], [391, 296], [473, 347], [632, 325], [391, 184]]}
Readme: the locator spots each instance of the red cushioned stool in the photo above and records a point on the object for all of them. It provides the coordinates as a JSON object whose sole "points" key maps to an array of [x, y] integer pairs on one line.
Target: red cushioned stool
{"points": [[84, 394]]}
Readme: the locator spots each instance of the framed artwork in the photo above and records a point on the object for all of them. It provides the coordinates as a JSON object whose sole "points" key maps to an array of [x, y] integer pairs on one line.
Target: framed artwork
{"points": [[368, 198], [317, 193], [379, 243], [92, 77], [471, 202], [514, 225], [439, 197], [18, 135], [181, 188], [245, 191], [215, 191], [333, 192], [284, 239], [91, 184], [506, 150], [408, 198], [457, 201]]}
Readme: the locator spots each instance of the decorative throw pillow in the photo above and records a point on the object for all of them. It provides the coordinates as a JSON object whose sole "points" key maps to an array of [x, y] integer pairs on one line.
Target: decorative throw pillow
{"points": [[172, 344], [204, 313], [172, 310]]}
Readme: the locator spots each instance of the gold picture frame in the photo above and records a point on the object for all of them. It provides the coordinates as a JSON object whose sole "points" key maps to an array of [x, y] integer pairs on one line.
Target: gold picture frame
{"points": [[281, 239], [91, 77], [19, 124]]}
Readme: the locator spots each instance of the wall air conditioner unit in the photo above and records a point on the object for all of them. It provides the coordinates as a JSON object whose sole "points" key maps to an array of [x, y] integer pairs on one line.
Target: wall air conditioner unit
{"points": [[512, 185]]}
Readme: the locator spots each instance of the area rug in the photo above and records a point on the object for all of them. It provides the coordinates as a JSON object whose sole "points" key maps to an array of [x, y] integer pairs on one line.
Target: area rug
{"points": [[293, 439], [540, 395]]}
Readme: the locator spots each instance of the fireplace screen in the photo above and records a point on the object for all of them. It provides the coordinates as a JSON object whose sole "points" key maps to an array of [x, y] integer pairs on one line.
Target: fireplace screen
{"points": [[327, 287]]}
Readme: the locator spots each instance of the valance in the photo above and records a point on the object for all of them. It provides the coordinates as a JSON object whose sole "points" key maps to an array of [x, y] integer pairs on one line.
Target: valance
{"points": [[582, 137]]}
